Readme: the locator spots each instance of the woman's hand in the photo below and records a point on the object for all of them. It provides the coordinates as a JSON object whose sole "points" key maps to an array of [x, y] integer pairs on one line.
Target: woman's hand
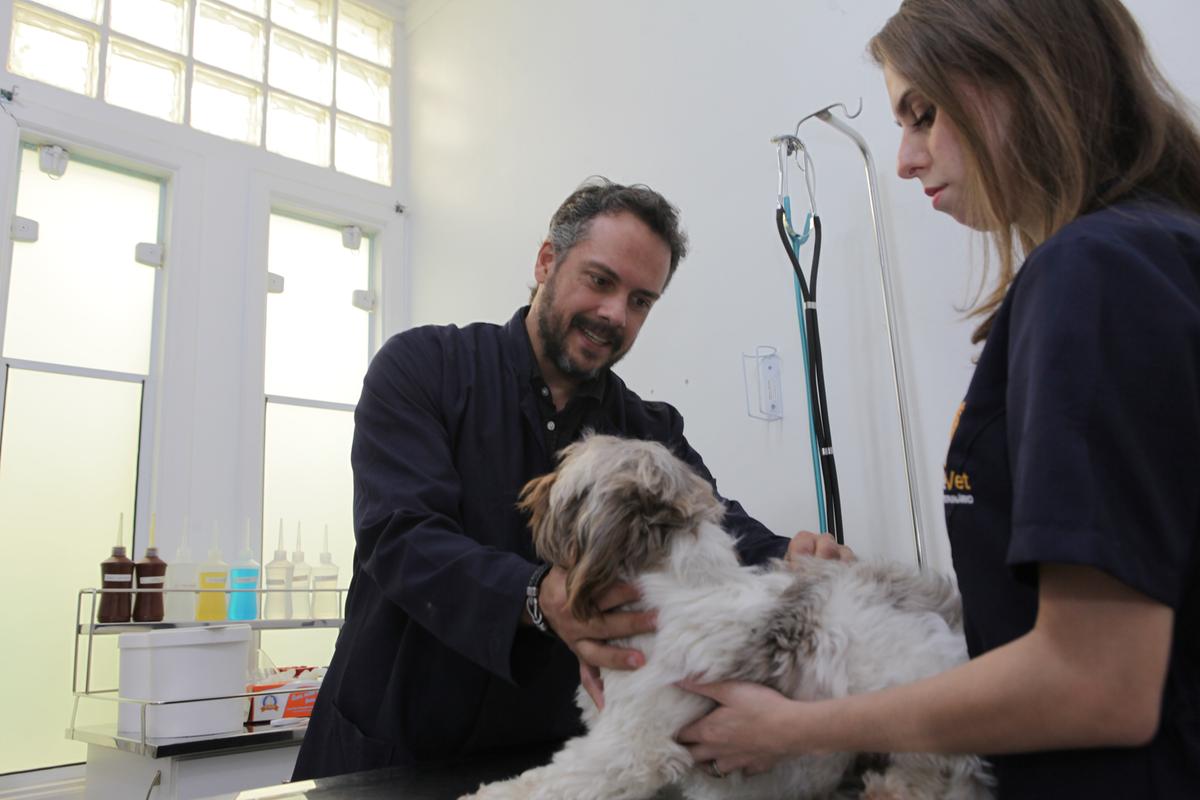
{"points": [[748, 730], [806, 544]]}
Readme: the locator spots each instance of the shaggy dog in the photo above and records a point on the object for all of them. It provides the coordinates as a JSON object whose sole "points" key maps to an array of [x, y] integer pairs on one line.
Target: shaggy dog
{"points": [[627, 510]]}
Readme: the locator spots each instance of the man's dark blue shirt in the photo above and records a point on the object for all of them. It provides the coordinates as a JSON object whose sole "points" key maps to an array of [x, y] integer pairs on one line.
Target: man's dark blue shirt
{"points": [[432, 664]]}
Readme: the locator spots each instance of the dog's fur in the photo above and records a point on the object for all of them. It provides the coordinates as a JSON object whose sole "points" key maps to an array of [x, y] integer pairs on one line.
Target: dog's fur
{"points": [[619, 509]]}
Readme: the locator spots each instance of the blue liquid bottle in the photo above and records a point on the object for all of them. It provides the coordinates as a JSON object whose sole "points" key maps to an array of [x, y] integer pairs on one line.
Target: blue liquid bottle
{"points": [[244, 574]]}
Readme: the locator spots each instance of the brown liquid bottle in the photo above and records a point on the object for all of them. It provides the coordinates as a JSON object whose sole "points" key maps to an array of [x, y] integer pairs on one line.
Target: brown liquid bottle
{"points": [[116, 572], [149, 574]]}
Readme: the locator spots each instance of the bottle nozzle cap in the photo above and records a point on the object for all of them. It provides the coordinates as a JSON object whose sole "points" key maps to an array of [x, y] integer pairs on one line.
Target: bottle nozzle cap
{"points": [[280, 552]]}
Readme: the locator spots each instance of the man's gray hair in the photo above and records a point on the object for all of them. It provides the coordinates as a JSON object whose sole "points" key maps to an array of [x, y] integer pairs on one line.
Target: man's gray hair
{"points": [[598, 195]]}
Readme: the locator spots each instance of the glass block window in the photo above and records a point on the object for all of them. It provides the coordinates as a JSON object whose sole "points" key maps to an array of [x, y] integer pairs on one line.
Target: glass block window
{"points": [[307, 79]]}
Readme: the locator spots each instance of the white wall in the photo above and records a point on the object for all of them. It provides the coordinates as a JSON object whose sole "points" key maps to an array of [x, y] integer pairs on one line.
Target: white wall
{"points": [[513, 103]]}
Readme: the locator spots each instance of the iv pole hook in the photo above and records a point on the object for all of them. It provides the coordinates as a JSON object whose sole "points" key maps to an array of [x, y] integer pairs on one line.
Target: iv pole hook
{"points": [[826, 112]]}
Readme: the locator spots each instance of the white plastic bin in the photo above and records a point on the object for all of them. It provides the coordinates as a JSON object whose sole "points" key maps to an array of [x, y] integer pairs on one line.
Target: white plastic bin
{"points": [[182, 664]]}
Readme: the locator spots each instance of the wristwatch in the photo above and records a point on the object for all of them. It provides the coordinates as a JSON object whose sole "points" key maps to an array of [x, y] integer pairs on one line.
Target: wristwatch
{"points": [[532, 606]]}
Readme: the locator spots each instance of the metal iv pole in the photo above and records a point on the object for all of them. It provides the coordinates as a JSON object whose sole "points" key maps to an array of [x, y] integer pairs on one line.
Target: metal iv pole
{"points": [[885, 278]]}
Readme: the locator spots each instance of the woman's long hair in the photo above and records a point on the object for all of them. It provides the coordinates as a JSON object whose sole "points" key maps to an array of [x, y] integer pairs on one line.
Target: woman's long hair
{"points": [[1088, 119]]}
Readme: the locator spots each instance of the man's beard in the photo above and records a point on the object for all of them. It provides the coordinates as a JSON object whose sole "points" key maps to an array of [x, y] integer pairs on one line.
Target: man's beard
{"points": [[552, 330]]}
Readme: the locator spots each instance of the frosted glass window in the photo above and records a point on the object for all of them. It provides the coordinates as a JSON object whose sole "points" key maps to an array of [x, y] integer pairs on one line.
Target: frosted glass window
{"points": [[297, 129], [159, 22], [317, 341], [301, 68], [76, 295], [363, 150], [256, 7], [229, 40], [143, 80], [226, 107], [68, 466], [364, 90], [91, 10], [364, 33], [54, 50], [313, 18], [307, 479]]}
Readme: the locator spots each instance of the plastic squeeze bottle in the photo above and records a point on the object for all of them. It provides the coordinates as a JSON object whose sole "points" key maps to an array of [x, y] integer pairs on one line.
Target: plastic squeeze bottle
{"points": [[214, 574], [324, 576], [244, 575], [278, 604], [149, 574], [182, 575], [301, 579], [116, 572]]}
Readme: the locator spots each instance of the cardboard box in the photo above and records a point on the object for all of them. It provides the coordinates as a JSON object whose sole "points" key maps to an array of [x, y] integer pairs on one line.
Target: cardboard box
{"points": [[293, 699]]}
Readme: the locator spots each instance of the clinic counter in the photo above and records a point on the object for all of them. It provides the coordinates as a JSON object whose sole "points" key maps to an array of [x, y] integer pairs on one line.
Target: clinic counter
{"points": [[412, 783], [248, 737]]}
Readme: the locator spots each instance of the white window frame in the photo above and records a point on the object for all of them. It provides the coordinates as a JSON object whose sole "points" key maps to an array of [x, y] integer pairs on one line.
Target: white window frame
{"points": [[203, 407]]}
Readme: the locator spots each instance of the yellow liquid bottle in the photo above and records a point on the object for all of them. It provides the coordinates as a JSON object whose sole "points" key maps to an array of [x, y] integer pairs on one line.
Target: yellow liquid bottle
{"points": [[213, 574]]}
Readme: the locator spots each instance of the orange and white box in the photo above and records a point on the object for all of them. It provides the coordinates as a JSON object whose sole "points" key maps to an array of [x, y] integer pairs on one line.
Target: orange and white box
{"points": [[293, 699]]}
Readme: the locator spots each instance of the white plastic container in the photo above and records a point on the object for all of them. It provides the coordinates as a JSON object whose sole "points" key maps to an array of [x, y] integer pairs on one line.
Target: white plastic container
{"points": [[183, 664]]}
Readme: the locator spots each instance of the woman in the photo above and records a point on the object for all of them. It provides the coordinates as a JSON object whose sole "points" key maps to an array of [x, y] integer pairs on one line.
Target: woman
{"points": [[1073, 505]]}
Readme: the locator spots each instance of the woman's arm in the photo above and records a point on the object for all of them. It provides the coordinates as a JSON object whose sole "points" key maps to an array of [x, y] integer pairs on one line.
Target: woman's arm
{"points": [[1089, 674]]}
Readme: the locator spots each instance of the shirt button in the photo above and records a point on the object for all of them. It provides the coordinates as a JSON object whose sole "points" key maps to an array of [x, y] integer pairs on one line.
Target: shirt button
{"points": [[545, 391], [550, 425]]}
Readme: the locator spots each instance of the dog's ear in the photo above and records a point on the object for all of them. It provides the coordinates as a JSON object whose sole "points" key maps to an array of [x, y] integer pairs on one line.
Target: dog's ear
{"points": [[534, 500], [625, 532]]}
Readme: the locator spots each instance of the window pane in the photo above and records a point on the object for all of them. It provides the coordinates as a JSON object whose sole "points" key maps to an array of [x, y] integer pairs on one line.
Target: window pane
{"points": [[363, 150], [226, 107], [53, 50], [256, 7], [301, 68], [307, 479], [68, 465], [364, 33], [297, 129], [143, 80], [364, 90], [229, 40], [159, 22], [77, 296], [313, 18], [323, 361], [91, 10]]}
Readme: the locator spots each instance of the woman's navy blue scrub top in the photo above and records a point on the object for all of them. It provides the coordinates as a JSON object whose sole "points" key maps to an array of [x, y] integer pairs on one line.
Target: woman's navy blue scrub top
{"points": [[1079, 443]]}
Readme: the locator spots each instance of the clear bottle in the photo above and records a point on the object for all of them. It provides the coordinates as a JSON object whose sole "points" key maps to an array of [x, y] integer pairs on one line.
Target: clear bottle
{"points": [[182, 575], [324, 577], [244, 575], [213, 574], [278, 571], [301, 581]]}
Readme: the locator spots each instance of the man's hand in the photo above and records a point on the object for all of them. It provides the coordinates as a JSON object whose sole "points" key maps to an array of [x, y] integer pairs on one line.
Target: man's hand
{"points": [[807, 544], [588, 639]]}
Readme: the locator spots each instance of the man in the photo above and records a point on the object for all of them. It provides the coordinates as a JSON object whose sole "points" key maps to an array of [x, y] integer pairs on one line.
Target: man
{"points": [[441, 656]]}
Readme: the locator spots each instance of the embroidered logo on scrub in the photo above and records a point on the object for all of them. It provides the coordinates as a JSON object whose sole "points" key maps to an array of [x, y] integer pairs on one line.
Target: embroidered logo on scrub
{"points": [[958, 489], [958, 484]]}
